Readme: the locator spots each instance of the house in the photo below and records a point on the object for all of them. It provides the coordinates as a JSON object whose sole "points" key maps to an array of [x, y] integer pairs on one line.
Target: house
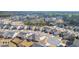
{"points": [[20, 27], [54, 40], [12, 44], [16, 41], [7, 21], [7, 26], [69, 38], [33, 28], [1, 22], [6, 43], [1, 26], [1, 34], [13, 27], [8, 34], [76, 28], [15, 35], [30, 36], [49, 21], [37, 29], [25, 27], [60, 21], [37, 37], [43, 42], [21, 35], [18, 23], [37, 44], [25, 43], [29, 27], [54, 32], [46, 29], [52, 19], [43, 39], [76, 43]]}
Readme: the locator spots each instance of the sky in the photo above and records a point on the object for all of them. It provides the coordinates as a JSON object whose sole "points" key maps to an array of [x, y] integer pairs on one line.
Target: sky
{"points": [[39, 5]]}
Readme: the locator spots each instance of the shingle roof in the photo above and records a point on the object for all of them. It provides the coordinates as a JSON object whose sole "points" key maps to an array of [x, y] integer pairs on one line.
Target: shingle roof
{"points": [[8, 34], [54, 41]]}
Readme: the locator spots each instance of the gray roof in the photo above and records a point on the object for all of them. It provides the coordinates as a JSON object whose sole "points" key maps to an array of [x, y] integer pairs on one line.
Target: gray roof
{"points": [[1, 33], [1, 26], [13, 27], [54, 41], [8, 34], [38, 45], [76, 43], [6, 27], [20, 27], [37, 37], [21, 34]]}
